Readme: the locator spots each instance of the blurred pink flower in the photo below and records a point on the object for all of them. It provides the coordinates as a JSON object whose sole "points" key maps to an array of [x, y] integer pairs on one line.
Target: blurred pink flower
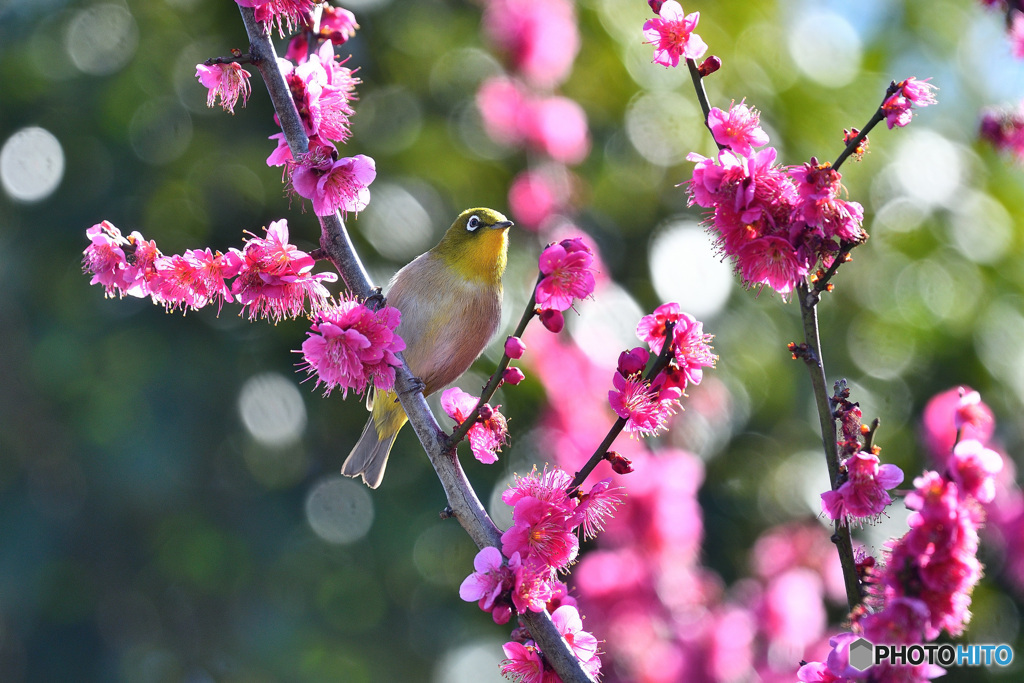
{"points": [[557, 126], [957, 409], [973, 469], [540, 37], [534, 196]]}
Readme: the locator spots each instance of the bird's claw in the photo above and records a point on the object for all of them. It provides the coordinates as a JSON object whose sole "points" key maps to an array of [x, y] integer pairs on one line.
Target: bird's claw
{"points": [[376, 299]]}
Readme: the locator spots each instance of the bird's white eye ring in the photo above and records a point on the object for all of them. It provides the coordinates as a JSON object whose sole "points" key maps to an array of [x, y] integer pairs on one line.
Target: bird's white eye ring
{"points": [[473, 224]]}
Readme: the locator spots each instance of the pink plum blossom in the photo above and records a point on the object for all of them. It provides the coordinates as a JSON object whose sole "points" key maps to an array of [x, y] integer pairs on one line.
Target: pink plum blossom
{"points": [[195, 279], [541, 530], [772, 261], [636, 401], [738, 129], [567, 275], [583, 644], [105, 258], [523, 664], [227, 81], [341, 185], [863, 495], [671, 33], [907, 94], [487, 435], [491, 578], [276, 279], [349, 346]]}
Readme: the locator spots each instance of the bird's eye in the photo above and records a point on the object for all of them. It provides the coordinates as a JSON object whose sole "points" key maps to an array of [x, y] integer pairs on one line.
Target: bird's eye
{"points": [[473, 224]]}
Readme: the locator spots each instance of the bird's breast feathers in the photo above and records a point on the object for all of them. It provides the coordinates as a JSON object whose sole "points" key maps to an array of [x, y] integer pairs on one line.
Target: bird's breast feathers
{"points": [[446, 320]]}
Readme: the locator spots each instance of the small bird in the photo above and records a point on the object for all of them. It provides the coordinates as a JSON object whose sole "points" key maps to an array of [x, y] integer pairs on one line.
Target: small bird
{"points": [[450, 299]]}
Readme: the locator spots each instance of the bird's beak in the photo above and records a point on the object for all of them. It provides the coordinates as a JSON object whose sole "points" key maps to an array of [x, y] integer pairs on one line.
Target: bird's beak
{"points": [[502, 225]]}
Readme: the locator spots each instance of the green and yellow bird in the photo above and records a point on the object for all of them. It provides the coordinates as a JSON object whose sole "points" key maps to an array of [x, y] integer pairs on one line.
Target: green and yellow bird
{"points": [[450, 299]]}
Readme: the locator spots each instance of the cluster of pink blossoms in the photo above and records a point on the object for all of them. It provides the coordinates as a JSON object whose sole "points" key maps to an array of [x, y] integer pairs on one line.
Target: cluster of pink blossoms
{"points": [[925, 585], [323, 90], [905, 95], [272, 278], [522, 576], [566, 267], [490, 431], [647, 404], [282, 13], [351, 346], [540, 40], [775, 222]]}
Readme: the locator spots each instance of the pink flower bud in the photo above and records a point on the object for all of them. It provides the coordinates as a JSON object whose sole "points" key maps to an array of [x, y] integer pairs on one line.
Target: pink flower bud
{"points": [[709, 66], [501, 614], [633, 361], [514, 348], [552, 319], [513, 376], [656, 5], [620, 464], [486, 412]]}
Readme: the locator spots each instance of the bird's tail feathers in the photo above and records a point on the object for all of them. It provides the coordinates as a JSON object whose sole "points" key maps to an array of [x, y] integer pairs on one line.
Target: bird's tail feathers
{"points": [[369, 456]]}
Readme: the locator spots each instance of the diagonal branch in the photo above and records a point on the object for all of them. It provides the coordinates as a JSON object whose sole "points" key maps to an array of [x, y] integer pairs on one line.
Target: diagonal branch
{"points": [[337, 245]]}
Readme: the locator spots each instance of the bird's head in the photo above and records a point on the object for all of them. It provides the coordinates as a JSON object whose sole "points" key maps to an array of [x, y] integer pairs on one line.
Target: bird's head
{"points": [[477, 244]]}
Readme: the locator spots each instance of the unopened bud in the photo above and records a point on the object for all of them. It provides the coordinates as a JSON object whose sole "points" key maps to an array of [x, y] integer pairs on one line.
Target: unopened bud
{"points": [[633, 361], [501, 614], [486, 411], [552, 320], [514, 348], [656, 5], [620, 464], [513, 376], [709, 66]]}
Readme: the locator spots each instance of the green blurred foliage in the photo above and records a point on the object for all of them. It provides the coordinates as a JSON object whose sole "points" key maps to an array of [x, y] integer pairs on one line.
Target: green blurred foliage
{"points": [[146, 535]]}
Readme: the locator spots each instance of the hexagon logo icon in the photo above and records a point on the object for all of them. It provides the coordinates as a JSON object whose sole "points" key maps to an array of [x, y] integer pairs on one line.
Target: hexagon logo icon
{"points": [[862, 654]]}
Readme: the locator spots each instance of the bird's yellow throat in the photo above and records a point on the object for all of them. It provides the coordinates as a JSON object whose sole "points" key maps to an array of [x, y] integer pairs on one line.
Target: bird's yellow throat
{"points": [[481, 258]]}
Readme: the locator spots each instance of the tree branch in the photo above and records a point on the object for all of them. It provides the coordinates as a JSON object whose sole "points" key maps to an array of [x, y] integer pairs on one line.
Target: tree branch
{"points": [[335, 242], [812, 358]]}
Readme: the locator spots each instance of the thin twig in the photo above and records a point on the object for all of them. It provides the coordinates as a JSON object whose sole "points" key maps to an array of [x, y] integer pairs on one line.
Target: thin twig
{"points": [[495, 381], [660, 363], [462, 499]]}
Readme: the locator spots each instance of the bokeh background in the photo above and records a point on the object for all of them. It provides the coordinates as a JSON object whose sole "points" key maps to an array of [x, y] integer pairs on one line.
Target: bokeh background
{"points": [[169, 501]]}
